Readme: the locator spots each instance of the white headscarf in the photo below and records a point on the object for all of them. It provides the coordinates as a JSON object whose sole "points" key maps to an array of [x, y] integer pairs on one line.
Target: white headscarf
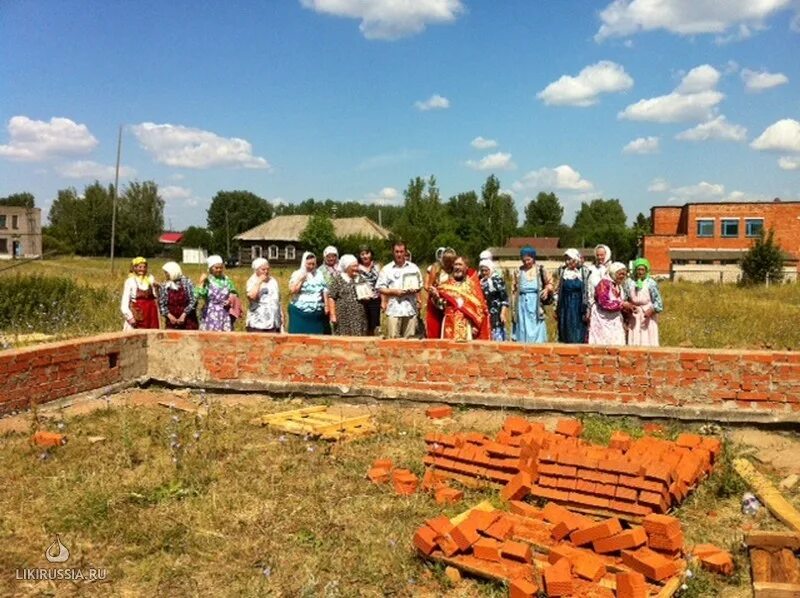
{"points": [[439, 252], [487, 263], [608, 255], [301, 272], [330, 249], [259, 262], [616, 267], [173, 270], [573, 254], [214, 260], [345, 262], [486, 255]]}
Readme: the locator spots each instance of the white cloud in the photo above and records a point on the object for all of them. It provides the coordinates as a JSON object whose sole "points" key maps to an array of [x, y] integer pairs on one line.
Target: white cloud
{"points": [[435, 102], [187, 147], [173, 192], [718, 128], [562, 177], [658, 185], [686, 17], [789, 163], [90, 170], [642, 145], [759, 81], [35, 140], [782, 136], [584, 89], [496, 161], [481, 143], [386, 196], [694, 99], [389, 159], [702, 191], [701, 78], [390, 19]]}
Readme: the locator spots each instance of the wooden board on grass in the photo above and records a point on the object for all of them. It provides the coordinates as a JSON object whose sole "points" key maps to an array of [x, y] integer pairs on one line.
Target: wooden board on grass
{"points": [[318, 422], [768, 494]]}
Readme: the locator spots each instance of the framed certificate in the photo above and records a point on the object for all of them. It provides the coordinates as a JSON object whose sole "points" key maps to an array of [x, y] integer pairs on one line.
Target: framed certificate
{"points": [[411, 282], [364, 291]]}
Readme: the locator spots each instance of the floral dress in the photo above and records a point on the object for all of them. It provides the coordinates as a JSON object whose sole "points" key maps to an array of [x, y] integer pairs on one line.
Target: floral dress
{"points": [[606, 324], [216, 313], [351, 319], [494, 290]]}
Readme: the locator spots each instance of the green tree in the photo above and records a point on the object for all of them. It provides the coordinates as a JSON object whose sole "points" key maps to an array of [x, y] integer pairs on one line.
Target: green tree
{"points": [[19, 200], [233, 212], [763, 262], [318, 234], [544, 214], [83, 223], [642, 224], [424, 217], [500, 213], [466, 214], [140, 219], [600, 212], [196, 237]]}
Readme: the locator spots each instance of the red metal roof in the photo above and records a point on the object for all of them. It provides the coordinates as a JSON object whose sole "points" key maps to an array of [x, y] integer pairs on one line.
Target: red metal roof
{"points": [[171, 238]]}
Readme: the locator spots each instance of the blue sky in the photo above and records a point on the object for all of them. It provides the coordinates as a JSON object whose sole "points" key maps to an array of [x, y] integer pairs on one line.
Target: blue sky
{"points": [[647, 101]]}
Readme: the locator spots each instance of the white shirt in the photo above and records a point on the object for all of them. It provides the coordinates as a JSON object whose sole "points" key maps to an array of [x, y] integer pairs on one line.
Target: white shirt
{"points": [[264, 312], [391, 277], [129, 294]]}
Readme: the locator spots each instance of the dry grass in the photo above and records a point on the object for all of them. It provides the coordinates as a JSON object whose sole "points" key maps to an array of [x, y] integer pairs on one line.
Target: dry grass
{"points": [[696, 315], [248, 511]]}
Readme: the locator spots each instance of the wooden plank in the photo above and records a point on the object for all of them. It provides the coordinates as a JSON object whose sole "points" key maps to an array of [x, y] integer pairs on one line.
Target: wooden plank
{"points": [[481, 506], [766, 539], [670, 588], [785, 567], [766, 589], [343, 425], [760, 564], [768, 494], [265, 419]]}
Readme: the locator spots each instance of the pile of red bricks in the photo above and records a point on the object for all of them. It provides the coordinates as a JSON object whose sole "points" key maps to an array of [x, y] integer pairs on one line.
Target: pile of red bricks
{"points": [[572, 552], [405, 482], [630, 477], [714, 558]]}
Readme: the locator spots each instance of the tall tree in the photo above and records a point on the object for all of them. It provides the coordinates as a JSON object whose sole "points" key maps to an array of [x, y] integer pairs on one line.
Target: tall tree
{"points": [[544, 213], [602, 212], [318, 234], [500, 213], [469, 223], [83, 222], [140, 219], [233, 212], [424, 217], [196, 237], [604, 221], [19, 200], [764, 261]]}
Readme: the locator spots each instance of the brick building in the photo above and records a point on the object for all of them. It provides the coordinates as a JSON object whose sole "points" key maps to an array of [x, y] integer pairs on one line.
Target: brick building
{"points": [[20, 232], [706, 241]]}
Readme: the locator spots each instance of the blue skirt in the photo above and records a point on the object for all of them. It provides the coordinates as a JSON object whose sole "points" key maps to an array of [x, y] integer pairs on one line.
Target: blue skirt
{"points": [[304, 322]]}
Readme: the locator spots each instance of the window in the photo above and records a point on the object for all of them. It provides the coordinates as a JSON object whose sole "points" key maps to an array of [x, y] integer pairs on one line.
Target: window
{"points": [[753, 226], [3, 245], [273, 252], [705, 228], [2, 221], [730, 228], [15, 222], [255, 252], [288, 253]]}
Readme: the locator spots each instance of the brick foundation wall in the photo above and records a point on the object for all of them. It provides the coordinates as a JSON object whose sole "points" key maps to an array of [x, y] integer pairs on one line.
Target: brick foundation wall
{"points": [[694, 384], [47, 372]]}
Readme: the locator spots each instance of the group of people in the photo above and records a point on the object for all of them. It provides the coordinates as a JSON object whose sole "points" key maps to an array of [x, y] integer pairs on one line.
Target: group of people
{"points": [[592, 303]]}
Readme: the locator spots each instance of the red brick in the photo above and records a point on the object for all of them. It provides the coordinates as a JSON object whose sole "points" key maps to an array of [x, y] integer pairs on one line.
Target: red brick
{"points": [[631, 584], [620, 440], [662, 525], [719, 562], [626, 494], [517, 551], [48, 439], [562, 551], [483, 520], [558, 579], [448, 495], [383, 464], [441, 525], [669, 544], [518, 487], [502, 529], [486, 549], [519, 507], [588, 566], [569, 427], [632, 538], [439, 412], [604, 529], [522, 588], [555, 513], [378, 475], [516, 425], [465, 535], [425, 540], [688, 440], [650, 564]]}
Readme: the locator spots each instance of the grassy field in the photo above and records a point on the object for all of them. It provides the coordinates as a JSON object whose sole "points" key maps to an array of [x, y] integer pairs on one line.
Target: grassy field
{"points": [[696, 315], [239, 510]]}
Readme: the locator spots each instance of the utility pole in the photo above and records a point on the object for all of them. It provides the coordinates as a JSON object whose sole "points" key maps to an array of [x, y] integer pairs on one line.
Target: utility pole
{"points": [[114, 199], [380, 218], [227, 233]]}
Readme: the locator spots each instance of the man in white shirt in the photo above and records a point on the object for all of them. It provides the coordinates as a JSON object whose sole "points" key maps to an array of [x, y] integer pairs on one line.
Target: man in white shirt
{"points": [[400, 282]]}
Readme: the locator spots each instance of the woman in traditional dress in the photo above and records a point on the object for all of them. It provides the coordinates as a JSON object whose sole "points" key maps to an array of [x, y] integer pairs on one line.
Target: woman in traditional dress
{"points": [[368, 270], [494, 289], [607, 322], [138, 305], [646, 299], [347, 316], [216, 289], [438, 273], [571, 305], [307, 307], [177, 301], [264, 310], [532, 284]]}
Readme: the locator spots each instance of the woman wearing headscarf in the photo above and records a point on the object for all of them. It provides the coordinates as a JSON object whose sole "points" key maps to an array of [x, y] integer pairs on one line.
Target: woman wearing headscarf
{"points": [[347, 316], [494, 290], [368, 270], [217, 290], [572, 308], [138, 304], [607, 322], [532, 285], [264, 309], [646, 299], [438, 273], [177, 301], [307, 308]]}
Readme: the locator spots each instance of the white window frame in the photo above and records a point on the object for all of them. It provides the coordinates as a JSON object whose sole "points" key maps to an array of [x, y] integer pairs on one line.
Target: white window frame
{"points": [[748, 221], [289, 252], [273, 251], [722, 222], [697, 227], [256, 251]]}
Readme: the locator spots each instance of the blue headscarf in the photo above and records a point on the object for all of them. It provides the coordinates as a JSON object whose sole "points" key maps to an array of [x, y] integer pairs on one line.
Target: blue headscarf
{"points": [[527, 250]]}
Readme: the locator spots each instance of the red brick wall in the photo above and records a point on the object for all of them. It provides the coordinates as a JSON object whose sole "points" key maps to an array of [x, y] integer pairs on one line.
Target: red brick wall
{"points": [[47, 372], [504, 374], [666, 220]]}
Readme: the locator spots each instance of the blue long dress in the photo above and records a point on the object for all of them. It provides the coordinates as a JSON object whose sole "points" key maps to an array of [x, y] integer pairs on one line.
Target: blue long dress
{"points": [[571, 309], [529, 326]]}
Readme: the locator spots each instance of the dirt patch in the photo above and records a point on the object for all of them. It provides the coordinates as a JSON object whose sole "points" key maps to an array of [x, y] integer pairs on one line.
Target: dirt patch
{"points": [[780, 450]]}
